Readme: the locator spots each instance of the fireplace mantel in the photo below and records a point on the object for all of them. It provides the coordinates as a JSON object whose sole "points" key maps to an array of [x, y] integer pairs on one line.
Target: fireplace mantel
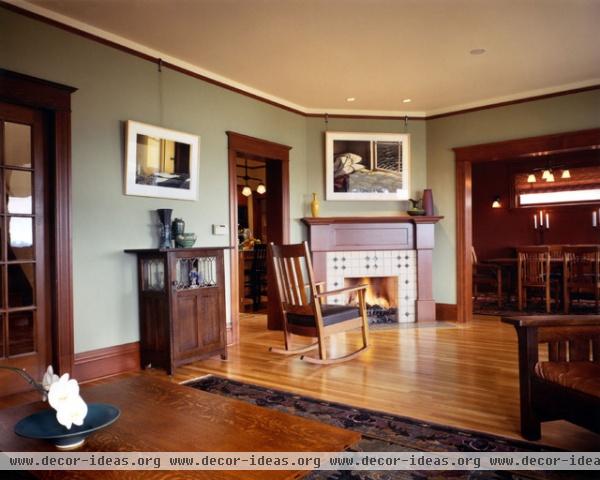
{"points": [[397, 233]]}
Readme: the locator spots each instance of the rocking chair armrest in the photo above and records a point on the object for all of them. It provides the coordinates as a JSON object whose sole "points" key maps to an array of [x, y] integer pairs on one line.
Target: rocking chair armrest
{"points": [[342, 290], [553, 321]]}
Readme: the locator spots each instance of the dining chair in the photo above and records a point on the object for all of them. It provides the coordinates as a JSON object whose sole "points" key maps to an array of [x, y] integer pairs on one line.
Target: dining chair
{"points": [[256, 276], [305, 312], [486, 274], [581, 273], [533, 272]]}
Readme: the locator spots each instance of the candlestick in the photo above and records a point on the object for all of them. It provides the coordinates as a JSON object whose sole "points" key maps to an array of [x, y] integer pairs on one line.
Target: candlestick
{"points": [[594, 219], [535, 220], [547, 222]]}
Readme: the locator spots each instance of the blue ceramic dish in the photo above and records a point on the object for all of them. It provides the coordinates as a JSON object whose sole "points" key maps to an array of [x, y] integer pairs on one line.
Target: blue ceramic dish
{"points": [[44, 426]]}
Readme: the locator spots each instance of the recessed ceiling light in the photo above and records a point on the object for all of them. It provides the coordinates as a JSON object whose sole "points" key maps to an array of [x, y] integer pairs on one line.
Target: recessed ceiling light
{"points": [[477, 51], [350, 99], [406, 100]]}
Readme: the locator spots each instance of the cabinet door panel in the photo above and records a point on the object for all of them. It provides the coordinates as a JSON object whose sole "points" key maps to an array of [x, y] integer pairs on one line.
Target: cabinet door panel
{"points": [[211, 320], [189, 308]]}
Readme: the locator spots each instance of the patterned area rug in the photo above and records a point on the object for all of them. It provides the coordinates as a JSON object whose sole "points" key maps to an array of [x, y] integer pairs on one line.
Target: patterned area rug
{"points": [[383, 432]]}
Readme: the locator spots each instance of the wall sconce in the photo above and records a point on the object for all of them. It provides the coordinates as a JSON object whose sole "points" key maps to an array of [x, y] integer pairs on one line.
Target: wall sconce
{"points": [[546, 174], [566, 173], [596, 218], [496, 203], [540, 221], [531, 178]]}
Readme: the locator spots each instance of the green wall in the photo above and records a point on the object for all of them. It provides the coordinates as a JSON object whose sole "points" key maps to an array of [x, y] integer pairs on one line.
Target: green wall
{"points": [[553, 115], [115, 86]]}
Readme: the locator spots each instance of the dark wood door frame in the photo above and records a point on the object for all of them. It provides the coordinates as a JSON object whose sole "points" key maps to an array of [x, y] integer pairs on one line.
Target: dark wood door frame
{"points": [[465, 157], [277, 157], [55, 101]]}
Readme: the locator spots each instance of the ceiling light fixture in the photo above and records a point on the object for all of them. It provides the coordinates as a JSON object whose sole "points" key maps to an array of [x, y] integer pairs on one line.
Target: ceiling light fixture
{"points": [[261, 189], [246, 191], [407, 100], [478, 51], [350, 99]]}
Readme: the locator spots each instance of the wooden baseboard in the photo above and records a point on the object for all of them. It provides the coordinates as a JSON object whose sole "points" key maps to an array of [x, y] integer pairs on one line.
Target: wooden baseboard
{"points": [[446, 312], [105, 362]]}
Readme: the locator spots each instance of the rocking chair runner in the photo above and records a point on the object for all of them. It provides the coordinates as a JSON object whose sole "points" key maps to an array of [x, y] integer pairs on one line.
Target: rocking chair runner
{"points": [[304, 312]]}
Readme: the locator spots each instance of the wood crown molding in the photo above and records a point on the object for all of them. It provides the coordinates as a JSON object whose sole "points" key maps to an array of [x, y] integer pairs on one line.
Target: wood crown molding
{"points": [[106, 362], [186, 71]]}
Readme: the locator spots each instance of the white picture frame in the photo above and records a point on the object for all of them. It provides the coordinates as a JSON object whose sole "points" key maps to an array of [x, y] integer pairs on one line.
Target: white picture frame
{"points": [[161, 163], [367, 166]]}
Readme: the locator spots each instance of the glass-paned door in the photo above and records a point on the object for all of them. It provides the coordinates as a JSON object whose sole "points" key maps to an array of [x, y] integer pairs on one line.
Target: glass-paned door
{"points": [[25, 334]]}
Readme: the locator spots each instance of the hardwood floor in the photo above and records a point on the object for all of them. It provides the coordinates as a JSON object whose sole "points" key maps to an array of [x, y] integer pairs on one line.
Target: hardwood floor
{"points": [[463, 375]]}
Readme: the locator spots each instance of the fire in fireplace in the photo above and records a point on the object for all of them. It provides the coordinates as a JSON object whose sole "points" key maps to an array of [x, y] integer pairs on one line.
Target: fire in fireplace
{"points": [[381, 297]]}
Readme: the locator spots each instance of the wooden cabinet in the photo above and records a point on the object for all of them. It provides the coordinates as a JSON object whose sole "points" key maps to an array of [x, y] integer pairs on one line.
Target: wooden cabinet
{"points": [[181, 305]]}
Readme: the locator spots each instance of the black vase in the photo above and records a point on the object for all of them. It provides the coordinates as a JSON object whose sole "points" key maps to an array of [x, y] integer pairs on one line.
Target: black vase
{"points": [[164, 215]]}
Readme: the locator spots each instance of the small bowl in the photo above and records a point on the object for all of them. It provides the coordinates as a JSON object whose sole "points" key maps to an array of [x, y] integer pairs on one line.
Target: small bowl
{"points": [[416, 212], [44, 426], [186, 240]]}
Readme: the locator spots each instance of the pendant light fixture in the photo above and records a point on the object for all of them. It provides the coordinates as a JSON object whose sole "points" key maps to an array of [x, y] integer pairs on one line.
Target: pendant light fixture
{"points": [[246, 191], [496, 203], [261, 188]]}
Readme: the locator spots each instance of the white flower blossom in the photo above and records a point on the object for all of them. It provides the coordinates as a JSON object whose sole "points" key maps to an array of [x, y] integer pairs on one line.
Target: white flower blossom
{"points": [[72, 412], [49, 378]]}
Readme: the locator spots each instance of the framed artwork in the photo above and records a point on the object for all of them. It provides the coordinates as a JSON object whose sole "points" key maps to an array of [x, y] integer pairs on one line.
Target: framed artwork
{"points": [[367, 166], [160, 162]]}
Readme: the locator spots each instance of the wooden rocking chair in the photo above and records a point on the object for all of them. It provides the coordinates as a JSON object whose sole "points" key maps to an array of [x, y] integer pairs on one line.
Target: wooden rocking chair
{"points": [[305, 313]]}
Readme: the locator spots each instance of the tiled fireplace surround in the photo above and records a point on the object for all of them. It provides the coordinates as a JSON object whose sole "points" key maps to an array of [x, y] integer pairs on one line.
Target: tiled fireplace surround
{"points": [[376, 263], [356, 247]]}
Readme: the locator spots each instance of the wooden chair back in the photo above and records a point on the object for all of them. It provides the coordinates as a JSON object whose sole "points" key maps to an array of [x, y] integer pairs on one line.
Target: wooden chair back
{"points": [[259, 260], [534, 266], [581, 267], [295, 278]]}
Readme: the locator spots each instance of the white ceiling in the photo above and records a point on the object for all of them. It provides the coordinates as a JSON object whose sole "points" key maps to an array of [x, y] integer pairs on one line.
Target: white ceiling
{"points": [[313, 54]]}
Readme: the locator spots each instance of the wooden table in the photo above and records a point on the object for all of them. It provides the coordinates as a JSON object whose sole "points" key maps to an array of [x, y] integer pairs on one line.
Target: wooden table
{"points": [[160, 416]]}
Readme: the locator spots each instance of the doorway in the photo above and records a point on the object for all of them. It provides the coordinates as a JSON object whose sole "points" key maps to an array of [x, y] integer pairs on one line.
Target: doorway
{"points": [[36, 320], [269, 212], [517, 150]]}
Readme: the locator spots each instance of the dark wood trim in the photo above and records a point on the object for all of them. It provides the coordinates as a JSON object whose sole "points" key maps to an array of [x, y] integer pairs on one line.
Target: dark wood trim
{"points": [[55, 100], [105, 362], [445, 312], [277, 158], [497, 151], [150, 58], [514, 102]]}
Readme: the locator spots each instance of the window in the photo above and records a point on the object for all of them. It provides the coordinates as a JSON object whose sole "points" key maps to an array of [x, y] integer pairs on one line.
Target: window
{"points": [[579, 185]]}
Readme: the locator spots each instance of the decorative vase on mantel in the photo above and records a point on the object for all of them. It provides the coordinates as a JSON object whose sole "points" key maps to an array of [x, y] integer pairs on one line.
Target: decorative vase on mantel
{"points": [[427, 202], [164, 215], [314, 205]]}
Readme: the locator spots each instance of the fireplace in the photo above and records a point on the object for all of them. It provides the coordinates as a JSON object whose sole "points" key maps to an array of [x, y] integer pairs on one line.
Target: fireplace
{"points": [[381, 298], [345, 249]]}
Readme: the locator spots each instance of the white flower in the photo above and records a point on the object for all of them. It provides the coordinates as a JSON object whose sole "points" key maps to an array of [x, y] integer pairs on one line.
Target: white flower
{"points": [[63, 396], [72, 412], [62, 391], [49, 378]]}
